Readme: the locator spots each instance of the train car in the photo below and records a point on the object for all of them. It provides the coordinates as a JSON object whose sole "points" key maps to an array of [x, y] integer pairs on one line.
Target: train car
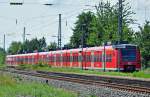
{"points": [[123, 57]]}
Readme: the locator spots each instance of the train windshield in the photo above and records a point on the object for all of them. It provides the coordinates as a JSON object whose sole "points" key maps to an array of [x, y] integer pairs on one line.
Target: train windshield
{"points": [[128, 54]]}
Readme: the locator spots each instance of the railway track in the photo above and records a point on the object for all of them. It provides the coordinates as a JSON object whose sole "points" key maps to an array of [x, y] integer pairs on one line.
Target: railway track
{"points": [[82, 80]]}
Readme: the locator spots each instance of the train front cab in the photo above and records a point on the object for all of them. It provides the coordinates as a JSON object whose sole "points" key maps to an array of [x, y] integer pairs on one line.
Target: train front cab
{"points": [[129, 58]]}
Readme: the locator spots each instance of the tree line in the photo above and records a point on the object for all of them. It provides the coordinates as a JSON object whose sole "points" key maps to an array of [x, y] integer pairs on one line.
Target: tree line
{"points": [[95, 28], [30, 46]]}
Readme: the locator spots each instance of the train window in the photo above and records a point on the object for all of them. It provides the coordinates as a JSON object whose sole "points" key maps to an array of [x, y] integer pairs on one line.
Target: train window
{"points": [[29, 59], [95, 58], [100, 58], [33, 59], [71, 60], [59, 58], [128, 54], [108, 58], [56, 58], [88, 58], [68, 58], [75, 58], [49, 59], [26, 59], [64, 59], [52, 58], [80, 58]]}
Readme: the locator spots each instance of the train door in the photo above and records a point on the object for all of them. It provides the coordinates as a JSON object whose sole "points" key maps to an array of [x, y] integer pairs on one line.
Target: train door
{"points": [[68, 59], [36, 58], [57, 59], [75, 60], [33, 56], [64, 58], [16, 60], [45, 59], [30, 59], [83, 61], [87, 60], [71, 59], [27, 59], [52, 59], [108, 60], [98, 59], [58, 64]]}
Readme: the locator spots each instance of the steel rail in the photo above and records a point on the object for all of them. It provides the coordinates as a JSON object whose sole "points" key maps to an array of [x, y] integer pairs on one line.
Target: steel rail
{"points": [[117, 86]]}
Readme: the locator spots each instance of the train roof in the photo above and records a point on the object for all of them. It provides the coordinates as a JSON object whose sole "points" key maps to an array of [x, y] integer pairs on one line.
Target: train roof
{"points": [[17, 55], [123, 45], [111, 47]]}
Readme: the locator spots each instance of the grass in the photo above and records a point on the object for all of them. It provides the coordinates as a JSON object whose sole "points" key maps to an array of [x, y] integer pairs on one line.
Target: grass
{"points": [[140, 74], [13, 88], [2, 66]]}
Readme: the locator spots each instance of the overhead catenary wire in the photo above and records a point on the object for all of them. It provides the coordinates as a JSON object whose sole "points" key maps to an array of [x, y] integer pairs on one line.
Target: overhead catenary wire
{"points": [[63, 18], [45, 25]]}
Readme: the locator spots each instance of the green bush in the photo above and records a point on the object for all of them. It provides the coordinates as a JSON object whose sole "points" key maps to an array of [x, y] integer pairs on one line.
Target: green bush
{"points": [[2, 57]]}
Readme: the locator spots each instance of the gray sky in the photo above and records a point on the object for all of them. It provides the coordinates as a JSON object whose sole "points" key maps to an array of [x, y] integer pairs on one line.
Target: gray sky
{"points": [[41, 20]]}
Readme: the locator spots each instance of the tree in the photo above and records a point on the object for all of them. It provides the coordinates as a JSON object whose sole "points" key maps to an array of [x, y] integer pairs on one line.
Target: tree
{"points": [[107, 25], [102, 26], [28, 46], [42, 44], [142, 39], [15, 48], [83, 26], [35, 44], [52, 46], [2, 56]]}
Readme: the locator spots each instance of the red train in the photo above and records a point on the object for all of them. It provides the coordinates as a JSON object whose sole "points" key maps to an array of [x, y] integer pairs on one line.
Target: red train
{"points": [[124, 57]]}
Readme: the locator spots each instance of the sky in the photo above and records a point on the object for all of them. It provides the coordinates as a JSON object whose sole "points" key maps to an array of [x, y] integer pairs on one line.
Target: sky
{"points": [[42, 21]]}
